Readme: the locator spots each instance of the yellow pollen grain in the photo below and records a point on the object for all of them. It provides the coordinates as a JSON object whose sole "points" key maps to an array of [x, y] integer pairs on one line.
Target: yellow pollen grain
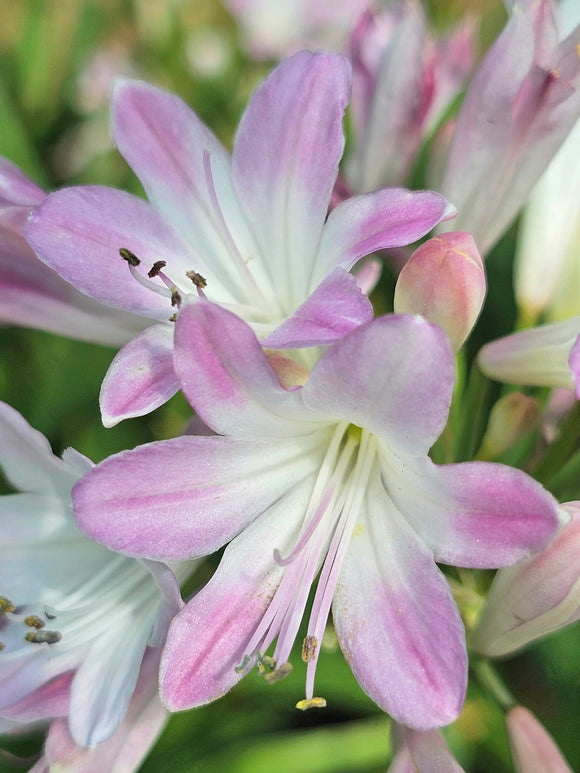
{"points": [[357, 531], [6, 605], [311, 703], [34, 621], [280, 673]]}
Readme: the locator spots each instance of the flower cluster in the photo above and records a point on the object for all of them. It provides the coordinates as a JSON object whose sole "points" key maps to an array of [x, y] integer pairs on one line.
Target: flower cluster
{"points": [[331, 457]]}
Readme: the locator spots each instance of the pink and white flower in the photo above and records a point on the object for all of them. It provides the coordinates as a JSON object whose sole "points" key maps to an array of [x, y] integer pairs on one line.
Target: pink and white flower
{"points": [[253, 227], [331, 477], [75, 619]]}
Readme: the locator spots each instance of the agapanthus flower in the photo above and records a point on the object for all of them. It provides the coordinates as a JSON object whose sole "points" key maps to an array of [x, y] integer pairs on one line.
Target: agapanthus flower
{"points": [[75, 619], [33, 295], [330, 477], [249, 232]]}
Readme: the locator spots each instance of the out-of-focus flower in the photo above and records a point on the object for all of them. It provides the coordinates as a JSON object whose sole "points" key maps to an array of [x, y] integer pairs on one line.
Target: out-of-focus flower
{"points": [[75, 619], [33, 295], [421, 751], [444, 281], [522, 103], [533, 749], [548, 355], [126, 749], [511, 418], [330, 477], [250, 232], [403, 81], [276, 29], [537, 596]]}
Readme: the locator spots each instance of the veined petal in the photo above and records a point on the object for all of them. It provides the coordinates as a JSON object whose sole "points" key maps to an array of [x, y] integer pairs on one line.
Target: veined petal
{"points": [[285, 162], [141, 377], [421, 751], [393, 377], [227, 378], [200, 492], [208, 639], [79, 231], [473, 514], [360, 225], [334, 308], [396, 621], [16, 187]]}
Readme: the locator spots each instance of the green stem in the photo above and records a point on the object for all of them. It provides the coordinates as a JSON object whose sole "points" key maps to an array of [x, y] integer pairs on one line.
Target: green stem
{"points": [[490, 680], [561, 449]]}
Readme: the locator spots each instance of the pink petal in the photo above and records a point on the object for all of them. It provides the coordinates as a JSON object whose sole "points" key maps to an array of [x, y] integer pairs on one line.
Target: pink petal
{"points": [[334, 308], [48, 701], [396, 621], [360, 225], [533, 748], [141, 377], [393, 377], [79, 231], [16, 187], [187, 497], [423, 751], [227, 378], [285, 161], [474, 514], [208, 639]]}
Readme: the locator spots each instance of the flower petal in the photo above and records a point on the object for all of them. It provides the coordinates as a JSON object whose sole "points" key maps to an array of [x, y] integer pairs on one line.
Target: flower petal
{"points": [[396, 620], [141, 377], [199, 493], [334, 308], [393, 377], [79, 231], [16, 187], [227, 378], [285, 162], [473, 514], [208, 639], [360, 225]]}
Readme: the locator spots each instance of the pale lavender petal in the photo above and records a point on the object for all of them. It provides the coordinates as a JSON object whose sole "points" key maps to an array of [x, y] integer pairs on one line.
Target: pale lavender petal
{"points": [[49, 701], [208, 639], [79, 231], [141, 377], [16, 187], [360, 225], [474, 514], [285, 162], [334, 308], [533, 748], [421, 751], [393, 377], [574, 363], [187, 497], [227, 378], [396, 620]]}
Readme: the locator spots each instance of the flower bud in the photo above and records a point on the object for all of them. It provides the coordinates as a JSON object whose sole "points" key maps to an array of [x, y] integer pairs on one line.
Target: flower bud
{"points": [[535, 597], [444, 281], [511, 418], [533, 749]]}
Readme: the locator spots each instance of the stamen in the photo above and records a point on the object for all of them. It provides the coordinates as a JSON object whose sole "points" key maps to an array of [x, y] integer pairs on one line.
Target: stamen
{"points": [[34, 621], [309, 646], [198, 280], [6, 605], [43, 637], [279, 673], [133, 262], [156, 268], [129, 256], [175, 297], [311, 703]]}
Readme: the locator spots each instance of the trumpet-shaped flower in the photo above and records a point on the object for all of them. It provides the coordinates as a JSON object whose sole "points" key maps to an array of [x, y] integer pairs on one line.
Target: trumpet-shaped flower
{"points": [[249, 232], [331, 478], [31, 294], [75, 619]]}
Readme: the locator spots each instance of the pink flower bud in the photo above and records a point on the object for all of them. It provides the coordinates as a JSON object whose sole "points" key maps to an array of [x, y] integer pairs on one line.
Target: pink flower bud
{"points": [[511, 418], [444, 281], [535, 597], [533, 749]]}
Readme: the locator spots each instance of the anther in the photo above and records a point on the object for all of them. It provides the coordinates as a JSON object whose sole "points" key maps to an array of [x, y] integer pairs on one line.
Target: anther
{"points": [[309, 646], [311, 703], [129, 256], [175, 297], [6, 605], [156, 268], [43, 637], [2, 646], [197, 279], [173, 317], [279, 673], [265, 664], [34, 621]]}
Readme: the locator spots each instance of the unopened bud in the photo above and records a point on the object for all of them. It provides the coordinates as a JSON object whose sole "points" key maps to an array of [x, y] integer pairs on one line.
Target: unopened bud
{"points": [[511, 418], [533, 748], [444, 281]]}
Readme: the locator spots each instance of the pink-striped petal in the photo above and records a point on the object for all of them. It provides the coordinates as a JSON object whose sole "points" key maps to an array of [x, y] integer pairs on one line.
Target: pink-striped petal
{"points": [[334, 308], [360, 225], [187, 497], [141, 377], [208, 639], [227, 378], [396, 621], [393, 377], [285, 162]]}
